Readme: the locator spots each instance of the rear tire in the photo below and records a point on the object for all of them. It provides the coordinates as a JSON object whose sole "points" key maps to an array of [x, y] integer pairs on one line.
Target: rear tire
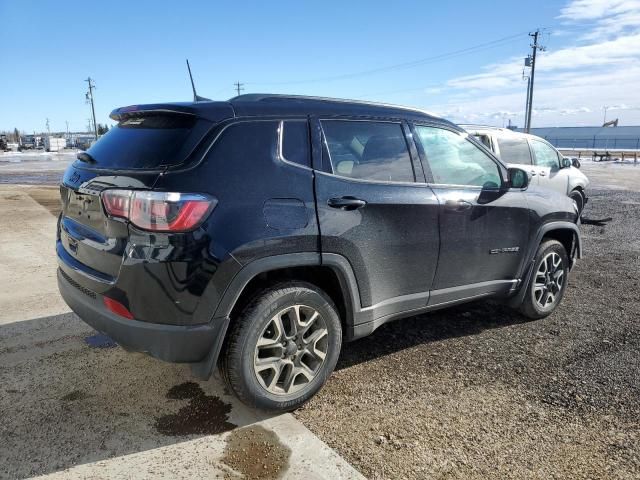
{"points": [[282, 347], [548, 281]]}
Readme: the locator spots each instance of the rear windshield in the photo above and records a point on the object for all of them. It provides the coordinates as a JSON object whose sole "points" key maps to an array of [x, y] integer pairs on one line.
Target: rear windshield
{"points": [[147, 142]]}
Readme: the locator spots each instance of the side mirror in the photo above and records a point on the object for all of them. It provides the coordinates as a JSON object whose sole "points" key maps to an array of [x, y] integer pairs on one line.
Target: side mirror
{"points": [[518, 178], [566, 162]]}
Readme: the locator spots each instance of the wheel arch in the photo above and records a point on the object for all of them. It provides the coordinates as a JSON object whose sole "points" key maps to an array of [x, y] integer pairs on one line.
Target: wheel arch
{"points": [[566, 233], [330, 272]]}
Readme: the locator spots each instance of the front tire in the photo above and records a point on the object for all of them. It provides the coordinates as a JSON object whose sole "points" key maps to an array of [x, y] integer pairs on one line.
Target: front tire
{"points": [[282, 347], [548, 281], [578, 198]]}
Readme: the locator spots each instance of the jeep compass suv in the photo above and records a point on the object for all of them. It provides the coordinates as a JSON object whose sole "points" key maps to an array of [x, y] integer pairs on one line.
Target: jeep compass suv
{"points": [[256, 235]]}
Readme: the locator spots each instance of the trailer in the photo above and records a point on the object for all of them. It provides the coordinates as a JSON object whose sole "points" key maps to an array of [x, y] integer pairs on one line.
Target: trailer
{"points": [[54, 144]]}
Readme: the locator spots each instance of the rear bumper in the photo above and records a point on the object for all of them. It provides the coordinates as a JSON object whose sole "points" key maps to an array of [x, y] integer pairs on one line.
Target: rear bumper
{"points": [[171, 343]]}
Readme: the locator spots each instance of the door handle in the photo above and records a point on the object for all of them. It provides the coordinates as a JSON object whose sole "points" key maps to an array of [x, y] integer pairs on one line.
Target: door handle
{"points": [[533, 173], [542, 173], [457, 205], [346, 203]]}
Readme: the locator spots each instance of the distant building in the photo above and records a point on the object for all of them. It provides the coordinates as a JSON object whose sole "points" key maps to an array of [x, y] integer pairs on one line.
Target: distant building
{"points": [[591, 137]]}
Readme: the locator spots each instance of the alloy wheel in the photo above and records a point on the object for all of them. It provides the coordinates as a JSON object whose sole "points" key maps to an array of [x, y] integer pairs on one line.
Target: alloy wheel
{"points": [[549, 280], [291, 350]]}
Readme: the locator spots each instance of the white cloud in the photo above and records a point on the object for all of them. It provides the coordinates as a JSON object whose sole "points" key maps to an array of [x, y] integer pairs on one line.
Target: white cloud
{"points": [[573, 83], [579, 10], [611, 16]]}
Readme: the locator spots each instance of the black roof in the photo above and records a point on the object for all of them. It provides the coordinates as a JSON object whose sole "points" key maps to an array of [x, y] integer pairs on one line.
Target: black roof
{"points": [[270, 104]]}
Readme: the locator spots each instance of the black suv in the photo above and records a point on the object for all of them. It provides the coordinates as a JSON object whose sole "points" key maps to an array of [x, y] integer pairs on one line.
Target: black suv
{"points": [[259, 233]]}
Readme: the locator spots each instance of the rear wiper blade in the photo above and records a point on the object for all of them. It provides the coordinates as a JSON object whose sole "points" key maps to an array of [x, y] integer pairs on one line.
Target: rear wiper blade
{"points": [[85, 157]]}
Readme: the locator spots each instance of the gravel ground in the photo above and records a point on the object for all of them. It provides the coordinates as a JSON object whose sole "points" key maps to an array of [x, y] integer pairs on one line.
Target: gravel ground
{"points": [[480, 392]]}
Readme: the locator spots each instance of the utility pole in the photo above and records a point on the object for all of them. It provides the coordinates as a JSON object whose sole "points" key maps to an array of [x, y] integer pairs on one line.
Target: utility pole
{"points": [[527, 64], [48, 130], [535, 48], [89, 97], [605, 108], [239, 87]]}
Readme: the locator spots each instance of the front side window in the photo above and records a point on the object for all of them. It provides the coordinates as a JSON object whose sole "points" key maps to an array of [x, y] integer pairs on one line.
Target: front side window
{"points": [[546, 156], [454, 160], [366, 150], [295, 142], [515, 150]]}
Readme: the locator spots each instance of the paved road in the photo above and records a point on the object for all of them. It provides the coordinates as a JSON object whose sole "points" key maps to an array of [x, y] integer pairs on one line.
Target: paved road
{"points": [[73, 405]]}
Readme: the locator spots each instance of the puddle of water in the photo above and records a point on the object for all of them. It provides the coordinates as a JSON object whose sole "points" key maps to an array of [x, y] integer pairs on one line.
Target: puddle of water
{"points": [[203, 415], [256, 453], [100, 341]]}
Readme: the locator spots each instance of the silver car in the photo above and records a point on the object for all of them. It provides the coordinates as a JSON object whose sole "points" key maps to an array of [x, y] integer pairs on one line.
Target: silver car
{"points": [[533, 154]]}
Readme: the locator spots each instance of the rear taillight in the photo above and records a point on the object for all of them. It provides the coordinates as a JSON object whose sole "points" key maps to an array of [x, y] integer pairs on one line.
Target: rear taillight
{"points": [[158, 211]]}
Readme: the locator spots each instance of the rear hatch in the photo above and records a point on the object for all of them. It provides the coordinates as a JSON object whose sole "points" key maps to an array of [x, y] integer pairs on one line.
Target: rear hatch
{"points": [[132, 155]]}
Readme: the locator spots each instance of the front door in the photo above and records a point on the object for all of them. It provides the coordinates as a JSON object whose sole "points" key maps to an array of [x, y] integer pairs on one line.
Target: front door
{"points": [[484, 227], [372, 211], [547, 165]]}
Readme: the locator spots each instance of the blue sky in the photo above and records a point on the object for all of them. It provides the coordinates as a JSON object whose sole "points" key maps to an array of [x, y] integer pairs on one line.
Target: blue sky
{"points": [[135, 51]]}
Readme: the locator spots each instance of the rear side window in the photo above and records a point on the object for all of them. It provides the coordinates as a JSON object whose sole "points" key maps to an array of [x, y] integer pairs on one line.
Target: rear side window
{"points": [[365, 150], [245, 143], [514, 150], [295, 142], [148, 142]]}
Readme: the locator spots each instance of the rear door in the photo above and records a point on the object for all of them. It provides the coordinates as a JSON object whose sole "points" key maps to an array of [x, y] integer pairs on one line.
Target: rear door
{"points": [[515, 152], [547, 164], [484, 227], [131, 155], [373, 212]]}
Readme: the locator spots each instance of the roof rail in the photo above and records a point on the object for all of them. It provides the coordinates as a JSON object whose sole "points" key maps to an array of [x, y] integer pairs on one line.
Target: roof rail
{"points": [[261, 97]]}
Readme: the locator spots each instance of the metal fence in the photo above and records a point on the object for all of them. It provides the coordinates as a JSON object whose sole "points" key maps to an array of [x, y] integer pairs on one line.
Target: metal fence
{"points": [[595, 142]]}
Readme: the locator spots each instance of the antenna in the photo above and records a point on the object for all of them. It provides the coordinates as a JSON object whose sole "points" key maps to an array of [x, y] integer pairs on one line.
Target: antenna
{"points": [[196, 98], [195, 95]]}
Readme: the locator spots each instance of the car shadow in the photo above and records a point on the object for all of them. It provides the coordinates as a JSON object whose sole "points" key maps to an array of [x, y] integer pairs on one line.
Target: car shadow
{"points": [[460, 321], [70, 397]]}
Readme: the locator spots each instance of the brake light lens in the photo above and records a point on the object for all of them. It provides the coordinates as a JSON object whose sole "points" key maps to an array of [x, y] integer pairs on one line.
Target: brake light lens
{"points": [[116, 202], [158, 211]]}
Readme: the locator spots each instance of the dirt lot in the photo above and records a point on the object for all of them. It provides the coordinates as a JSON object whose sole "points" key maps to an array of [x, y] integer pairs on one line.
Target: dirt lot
{"points": [[479, 392], [473, 392]]}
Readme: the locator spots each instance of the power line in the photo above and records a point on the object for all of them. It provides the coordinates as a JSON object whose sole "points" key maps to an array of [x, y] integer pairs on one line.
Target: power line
{"points": [[405, 65]]}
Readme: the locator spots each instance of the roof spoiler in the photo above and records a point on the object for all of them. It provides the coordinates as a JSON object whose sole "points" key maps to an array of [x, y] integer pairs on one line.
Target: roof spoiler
{"points": [[123, 113]]}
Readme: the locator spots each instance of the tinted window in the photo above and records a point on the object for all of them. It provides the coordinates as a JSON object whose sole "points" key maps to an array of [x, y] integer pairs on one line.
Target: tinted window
{"points": [[454, 160], [147, 142], [246, 142], [295, 142], [368, 150], [546, 156], [514, 150]]}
